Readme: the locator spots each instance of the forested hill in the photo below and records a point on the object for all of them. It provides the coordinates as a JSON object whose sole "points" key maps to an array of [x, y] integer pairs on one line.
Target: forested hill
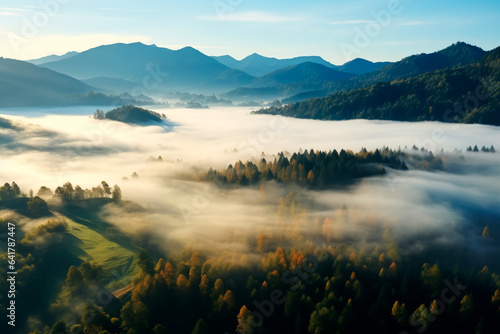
{"points": [[466, 94]]}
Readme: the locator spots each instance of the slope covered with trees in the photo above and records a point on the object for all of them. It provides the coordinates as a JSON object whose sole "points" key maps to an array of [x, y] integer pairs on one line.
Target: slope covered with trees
{"points": [[467, 94], [306, 281], [131, 114]]}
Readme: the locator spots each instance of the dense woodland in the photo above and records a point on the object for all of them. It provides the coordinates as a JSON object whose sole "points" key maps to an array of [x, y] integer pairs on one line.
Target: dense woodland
{"points": [[321, 169], [314, 274], [466, 94], [324, 285]]}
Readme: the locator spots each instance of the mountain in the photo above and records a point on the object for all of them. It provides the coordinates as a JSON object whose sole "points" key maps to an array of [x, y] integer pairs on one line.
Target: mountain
{"points": [[228, 61], [52, 58], [303, 73], [361, 66], [257, 65], [111, 84], [289, 81], [466, 94], [153, 68], [457, 54], [23, 84]]}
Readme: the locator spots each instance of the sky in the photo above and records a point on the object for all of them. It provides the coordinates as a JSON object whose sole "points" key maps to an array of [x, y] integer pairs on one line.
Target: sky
{"points": [[337, 30]]}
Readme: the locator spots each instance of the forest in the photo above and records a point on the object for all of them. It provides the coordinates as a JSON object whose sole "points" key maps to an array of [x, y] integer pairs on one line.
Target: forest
{"points": [[320, 169], [338, 272], [463, 94], [318, 282]]}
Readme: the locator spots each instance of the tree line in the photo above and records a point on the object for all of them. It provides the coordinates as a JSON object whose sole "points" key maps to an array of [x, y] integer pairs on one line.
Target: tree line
{"points": [[312, 168], [467, 94]]}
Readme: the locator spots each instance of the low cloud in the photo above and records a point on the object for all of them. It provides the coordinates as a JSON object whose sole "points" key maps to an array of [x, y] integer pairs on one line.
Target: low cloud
{"points": [[421, 209]]}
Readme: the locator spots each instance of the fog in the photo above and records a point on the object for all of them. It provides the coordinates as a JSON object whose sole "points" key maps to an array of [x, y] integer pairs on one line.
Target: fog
{"points": [[421, 208]]}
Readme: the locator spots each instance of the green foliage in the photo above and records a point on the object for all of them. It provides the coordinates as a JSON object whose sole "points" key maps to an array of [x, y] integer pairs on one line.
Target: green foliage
{"points": [[37, 207], [8, 191], [316, 169], [145, 262], [467, 94], [133, 115]]}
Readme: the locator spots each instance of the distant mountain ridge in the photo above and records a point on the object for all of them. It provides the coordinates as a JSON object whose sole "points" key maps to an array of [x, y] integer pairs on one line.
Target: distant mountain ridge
{"points": [[23, 84], [304, 73], [432, 96], [153, 67], [361, 66], [257, 65], [457, 54], [52, 58]]}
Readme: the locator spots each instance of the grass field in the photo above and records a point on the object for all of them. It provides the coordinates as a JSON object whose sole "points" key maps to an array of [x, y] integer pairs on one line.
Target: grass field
{"points": [[99, 241]]}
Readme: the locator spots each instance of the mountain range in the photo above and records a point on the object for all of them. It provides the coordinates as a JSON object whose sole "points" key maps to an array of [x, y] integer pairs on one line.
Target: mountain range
{"points": [[23, 84], [150, 70], [458, 84], [153, 70]]}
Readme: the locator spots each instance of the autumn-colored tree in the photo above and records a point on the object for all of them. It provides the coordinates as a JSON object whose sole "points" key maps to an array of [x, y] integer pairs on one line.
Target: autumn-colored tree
{"points": [[244, 321], [182, 283], [169, 273], [399, 312], [486, 232], [421, 318], [204, 285], [496, 297], [218, 288], [466, 307], [229, 300], [310, 177], [160, 265]]}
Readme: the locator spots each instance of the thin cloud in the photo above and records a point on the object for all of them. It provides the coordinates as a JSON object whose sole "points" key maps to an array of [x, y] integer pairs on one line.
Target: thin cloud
{"points": [[14, 9], [350, 22], [127, 9], [8, 14], [413, 23], [252, 16]]}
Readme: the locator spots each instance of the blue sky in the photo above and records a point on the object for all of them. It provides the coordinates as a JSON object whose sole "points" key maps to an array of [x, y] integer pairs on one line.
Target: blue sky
{"points": [[338, 31]]}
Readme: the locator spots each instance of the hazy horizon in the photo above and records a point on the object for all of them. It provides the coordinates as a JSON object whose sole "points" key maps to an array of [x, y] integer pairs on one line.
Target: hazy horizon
{"points": [[241, 28]]}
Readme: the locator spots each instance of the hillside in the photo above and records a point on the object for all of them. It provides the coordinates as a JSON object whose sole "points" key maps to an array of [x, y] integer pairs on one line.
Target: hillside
{"points": [[51, 58], [360, 66], [304, 73], [452, 95], [23, 84], [132, 115], [257, 65], [458, 54], [288, 81], [159, 68]]}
